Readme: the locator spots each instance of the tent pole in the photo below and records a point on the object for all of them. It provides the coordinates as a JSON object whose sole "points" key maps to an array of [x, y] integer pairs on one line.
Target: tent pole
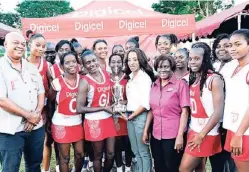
{"points": [[193, 37], [239, 21]]}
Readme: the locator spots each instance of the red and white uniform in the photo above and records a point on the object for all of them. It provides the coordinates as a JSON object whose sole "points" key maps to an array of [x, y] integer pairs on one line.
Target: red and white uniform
{"points": [[121, 125], [43, 68], [201, 111], [66, 123], [186, 77], [56, 71], [99, 125], [236, 105]]}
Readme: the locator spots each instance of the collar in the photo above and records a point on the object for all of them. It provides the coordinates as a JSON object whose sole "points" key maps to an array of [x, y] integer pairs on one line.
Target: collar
{"points": [[172, 80], [23, 62], [138, 74]]}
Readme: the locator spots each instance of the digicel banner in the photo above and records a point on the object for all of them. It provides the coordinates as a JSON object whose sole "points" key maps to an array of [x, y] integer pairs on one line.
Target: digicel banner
{"points": [[104, 27], [117, 19]]}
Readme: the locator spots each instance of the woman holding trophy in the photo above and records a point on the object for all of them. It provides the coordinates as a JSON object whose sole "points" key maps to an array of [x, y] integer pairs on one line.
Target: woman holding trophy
{"points": [[93, 100], [118, 83], [138, 93]]}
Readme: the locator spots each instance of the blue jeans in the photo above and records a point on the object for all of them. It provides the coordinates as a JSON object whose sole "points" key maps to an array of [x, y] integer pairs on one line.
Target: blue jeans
{"points": [[12, 146], [141, 150]]}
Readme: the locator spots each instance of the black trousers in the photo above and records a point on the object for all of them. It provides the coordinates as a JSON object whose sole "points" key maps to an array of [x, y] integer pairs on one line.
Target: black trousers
{"points": [[166, 158]]}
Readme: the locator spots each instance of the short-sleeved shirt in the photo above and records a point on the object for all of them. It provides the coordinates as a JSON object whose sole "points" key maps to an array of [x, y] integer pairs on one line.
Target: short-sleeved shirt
{"points": [[21, 87], [166, 105]]}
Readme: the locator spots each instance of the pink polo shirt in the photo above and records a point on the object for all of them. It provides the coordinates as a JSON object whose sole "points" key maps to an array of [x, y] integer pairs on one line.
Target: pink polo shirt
{"points": [[166, 106]]}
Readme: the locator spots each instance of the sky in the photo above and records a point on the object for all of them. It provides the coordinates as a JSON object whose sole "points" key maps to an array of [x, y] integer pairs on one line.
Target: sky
{"points": [[76, 4]]}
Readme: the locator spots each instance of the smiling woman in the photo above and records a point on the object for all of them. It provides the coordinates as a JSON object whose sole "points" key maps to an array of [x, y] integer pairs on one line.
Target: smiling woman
{"points": [[66, 122], [236, 112], [93, 100], [138, 89], [101, 51], [207, 105], [169, 102], [181, 57], [165, 42]]}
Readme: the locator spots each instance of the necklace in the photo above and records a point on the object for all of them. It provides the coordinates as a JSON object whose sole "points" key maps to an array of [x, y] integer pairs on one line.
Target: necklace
{"points": [[71, 83]]}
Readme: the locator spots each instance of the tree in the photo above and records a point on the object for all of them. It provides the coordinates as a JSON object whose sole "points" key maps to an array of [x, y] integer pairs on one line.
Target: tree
{"points": [[200, 8], [41, 9], [10, 19]]}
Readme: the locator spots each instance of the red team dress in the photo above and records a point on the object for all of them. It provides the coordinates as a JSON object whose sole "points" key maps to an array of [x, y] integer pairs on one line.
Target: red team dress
{"points": [[56, 71], [236, 105], [121, 125], [66, 123], [43, 68], [201, 111], [99, 125]]}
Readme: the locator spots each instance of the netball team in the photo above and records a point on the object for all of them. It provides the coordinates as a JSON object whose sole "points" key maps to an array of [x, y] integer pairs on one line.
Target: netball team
{"points": [[183, 108]]}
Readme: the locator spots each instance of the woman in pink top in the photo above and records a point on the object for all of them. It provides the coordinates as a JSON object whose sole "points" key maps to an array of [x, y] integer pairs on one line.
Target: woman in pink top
{"points": [[169, 102]]}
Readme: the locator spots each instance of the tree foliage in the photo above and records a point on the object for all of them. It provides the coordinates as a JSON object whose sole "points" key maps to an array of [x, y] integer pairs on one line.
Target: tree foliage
{"points": [[41, 9], [34, 9], [10, 19], [200, 8]]}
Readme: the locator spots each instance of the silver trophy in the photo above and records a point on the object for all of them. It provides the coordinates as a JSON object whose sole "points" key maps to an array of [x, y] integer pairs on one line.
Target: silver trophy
{"points": [[117, 92]]}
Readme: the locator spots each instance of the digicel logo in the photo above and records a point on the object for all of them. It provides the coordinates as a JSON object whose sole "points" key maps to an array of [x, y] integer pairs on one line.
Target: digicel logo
{"points": [[106, 11]]}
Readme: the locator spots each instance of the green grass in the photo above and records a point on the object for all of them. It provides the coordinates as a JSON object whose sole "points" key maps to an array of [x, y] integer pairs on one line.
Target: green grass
{"points": [[53, 164]]}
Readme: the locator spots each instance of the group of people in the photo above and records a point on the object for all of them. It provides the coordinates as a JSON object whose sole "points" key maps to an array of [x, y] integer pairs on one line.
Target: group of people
{"points": [[182, 107]]}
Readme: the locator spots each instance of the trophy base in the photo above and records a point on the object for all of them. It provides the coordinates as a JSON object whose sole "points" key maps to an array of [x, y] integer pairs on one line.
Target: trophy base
{"points": [[119, 108]]}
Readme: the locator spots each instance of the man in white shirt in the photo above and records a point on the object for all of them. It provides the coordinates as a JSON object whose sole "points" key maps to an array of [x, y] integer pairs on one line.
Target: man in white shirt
{"points": [[21, 102]]}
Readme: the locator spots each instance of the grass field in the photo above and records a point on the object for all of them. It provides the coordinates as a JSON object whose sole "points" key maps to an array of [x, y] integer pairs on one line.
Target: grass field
{"points": [[22, 168]]}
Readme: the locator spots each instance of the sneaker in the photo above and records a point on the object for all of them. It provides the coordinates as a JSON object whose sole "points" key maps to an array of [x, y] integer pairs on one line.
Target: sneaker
{"points": [[46, 171], [114, 164], [127, 169], [57, 168], [134, 160], [90, 166], [120, 169], [85, 163], [103, 161], [84, 170]]}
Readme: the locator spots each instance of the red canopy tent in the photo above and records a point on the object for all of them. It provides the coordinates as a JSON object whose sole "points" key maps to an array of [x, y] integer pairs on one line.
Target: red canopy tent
{"points": [[113, 19], [226, 21], [4, 29]]}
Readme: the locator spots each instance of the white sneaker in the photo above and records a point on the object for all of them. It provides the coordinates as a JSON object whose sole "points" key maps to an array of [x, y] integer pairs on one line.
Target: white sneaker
{"points": [[134, 160], [90, 166], [127, 169], [103, 162], [114, 164], [84, 170], [57, 168], [46, 171], [120, 169]]}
